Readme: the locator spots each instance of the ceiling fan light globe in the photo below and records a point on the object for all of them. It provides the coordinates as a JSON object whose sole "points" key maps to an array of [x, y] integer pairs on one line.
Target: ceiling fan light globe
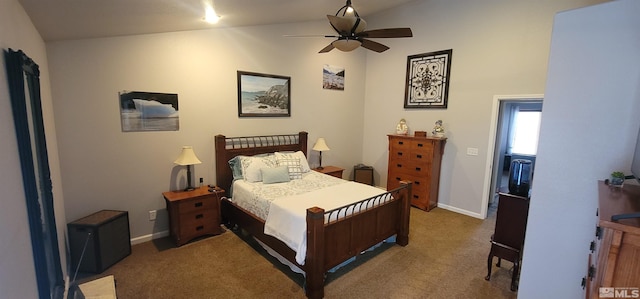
{"points": [[346, 45], [345, 24]]}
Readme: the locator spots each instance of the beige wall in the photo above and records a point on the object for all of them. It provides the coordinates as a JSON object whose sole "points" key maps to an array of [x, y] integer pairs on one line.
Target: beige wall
{"points": [[500, 47], [105, 168], [17, 274]]}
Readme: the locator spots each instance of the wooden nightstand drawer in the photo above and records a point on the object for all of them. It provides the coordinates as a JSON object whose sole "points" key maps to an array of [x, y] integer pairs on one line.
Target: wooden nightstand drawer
{"points": [[198, 223], [197, 204]]}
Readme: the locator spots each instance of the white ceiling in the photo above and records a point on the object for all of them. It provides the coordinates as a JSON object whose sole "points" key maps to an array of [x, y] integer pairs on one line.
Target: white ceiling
{"points": [[78, 19]]}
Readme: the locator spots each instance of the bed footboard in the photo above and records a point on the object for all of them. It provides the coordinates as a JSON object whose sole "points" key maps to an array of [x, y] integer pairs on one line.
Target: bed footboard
{"points": [[337, 235]]}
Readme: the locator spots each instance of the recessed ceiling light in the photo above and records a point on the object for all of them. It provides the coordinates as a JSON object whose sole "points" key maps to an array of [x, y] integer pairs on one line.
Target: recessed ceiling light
{"points": [[210, 15]]}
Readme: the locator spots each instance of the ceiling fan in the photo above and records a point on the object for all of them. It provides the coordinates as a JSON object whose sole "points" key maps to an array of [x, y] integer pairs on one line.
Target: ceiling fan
{"points": [[352, 34]]}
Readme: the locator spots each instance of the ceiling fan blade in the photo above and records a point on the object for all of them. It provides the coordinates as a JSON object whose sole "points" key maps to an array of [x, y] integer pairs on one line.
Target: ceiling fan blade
{"points": [[346, 24], [389, 32], [374, 46], [327, 48], [311, 35]]}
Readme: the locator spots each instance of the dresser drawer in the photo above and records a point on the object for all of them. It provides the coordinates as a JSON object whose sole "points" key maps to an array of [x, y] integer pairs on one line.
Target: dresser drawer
{"points": [[419, 188], [418, 169], [399, 144], [197, 204]]}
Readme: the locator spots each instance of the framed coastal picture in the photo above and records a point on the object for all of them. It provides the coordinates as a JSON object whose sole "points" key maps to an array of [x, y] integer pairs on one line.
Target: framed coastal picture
{"points": [[149, 111], [263, 95], [427, 83]]}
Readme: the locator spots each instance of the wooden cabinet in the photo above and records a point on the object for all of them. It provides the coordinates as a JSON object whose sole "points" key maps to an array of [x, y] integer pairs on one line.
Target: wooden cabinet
{"points": [[614, 261], [331, 170], [194, 213], [416, 159]]}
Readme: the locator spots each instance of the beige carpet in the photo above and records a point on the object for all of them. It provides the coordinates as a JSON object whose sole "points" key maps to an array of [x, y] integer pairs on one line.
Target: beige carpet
{"points": [[446, 258]]}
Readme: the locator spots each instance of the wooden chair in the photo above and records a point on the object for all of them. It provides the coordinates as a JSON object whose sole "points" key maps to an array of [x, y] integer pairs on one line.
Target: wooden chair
{"points": [[508, 238]]}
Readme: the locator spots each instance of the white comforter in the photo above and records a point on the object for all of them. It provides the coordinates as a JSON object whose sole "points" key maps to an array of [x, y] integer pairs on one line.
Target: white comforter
{"points": [[284, 205]]}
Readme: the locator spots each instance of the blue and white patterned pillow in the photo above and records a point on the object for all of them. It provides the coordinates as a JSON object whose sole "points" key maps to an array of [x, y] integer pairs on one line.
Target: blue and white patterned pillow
{"points": [[295, 170], [295, 155]]}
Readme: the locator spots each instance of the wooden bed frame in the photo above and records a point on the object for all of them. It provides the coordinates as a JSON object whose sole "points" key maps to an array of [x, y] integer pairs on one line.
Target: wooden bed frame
{"points": [[328, 244]]}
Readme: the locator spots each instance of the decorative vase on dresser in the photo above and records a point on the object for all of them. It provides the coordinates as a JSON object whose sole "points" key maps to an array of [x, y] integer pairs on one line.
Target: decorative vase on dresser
{"points": [[416, 159]]}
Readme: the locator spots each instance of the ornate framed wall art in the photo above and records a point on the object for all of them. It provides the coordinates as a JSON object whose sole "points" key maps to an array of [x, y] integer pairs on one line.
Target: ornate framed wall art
{"points": [[427, 84], [263, 95]]}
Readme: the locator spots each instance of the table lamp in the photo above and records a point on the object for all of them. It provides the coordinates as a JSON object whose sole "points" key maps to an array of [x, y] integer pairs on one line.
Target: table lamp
{"points": [[187, 157], [320, 146]]}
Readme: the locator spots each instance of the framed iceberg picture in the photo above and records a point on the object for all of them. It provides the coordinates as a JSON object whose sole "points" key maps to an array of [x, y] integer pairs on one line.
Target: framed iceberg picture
{"points": [[149, 111], [263, 95]]}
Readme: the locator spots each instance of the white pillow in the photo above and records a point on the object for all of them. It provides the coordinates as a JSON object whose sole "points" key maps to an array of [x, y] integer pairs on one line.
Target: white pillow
{"points": [[304, 164], [251, 167]]}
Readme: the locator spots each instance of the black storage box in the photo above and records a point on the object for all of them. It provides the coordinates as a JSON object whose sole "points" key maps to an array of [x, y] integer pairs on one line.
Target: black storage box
{"points": [[363, 174], [107, 238]]}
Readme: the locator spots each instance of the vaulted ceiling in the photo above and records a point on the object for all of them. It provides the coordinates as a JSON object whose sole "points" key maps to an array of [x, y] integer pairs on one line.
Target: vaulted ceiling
{"points": [[78, 19]]}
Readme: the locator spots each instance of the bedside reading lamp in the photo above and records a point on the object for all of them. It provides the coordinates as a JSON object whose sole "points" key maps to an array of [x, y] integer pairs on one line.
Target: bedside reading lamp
{"points": [[187, 157], [320, 146]]}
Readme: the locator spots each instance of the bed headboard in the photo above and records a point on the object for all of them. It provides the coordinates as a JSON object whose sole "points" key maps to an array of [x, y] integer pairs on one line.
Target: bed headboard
{"points": [[229, 147]]}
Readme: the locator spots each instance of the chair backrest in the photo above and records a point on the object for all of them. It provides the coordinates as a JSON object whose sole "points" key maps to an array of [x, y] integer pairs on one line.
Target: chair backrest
{"points": [[511, 220]]}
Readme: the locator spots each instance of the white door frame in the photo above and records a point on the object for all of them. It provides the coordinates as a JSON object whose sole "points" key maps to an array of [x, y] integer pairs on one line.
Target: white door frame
{"points": [[490, 174]]}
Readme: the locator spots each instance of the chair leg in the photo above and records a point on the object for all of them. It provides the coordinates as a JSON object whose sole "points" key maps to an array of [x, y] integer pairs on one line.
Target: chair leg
{"points": [[514, 277], [489, 260]]}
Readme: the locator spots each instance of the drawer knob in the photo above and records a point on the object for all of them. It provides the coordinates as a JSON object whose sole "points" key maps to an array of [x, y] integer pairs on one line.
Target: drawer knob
{"points": [[420, 145], [201, 227], [419, 156], [198, 204], [399, 165], [399, 153], [400, 142], [199, 216]]}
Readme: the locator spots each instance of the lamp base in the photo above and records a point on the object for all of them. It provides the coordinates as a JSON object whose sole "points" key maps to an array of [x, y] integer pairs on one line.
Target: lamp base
{"points": [[320, 168]]}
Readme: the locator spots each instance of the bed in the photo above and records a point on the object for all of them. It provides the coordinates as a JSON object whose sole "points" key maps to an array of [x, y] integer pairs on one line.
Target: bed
{"points": [[332, 236]]}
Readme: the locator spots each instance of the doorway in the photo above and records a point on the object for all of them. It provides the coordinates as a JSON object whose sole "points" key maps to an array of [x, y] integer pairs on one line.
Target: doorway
{"points": [[508, 142]]}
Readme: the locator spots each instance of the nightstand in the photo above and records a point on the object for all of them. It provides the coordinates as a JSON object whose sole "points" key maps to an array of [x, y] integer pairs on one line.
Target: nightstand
{"points": [[331, 170], [194, 213]]}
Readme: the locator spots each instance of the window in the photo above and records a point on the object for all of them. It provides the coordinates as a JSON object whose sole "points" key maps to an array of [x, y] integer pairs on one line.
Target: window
{"points": [[526, 126]]}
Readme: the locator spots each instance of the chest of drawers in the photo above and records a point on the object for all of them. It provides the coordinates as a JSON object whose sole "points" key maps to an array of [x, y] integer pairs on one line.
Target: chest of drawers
{"points": [[416, 159]]}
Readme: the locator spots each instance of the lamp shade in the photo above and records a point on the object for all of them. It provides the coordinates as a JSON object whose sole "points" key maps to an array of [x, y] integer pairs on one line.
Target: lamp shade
{"points": [[187, 157], [321, 145]]}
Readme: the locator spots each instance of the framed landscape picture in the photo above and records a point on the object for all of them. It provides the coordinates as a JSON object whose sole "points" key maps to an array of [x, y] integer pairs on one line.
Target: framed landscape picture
{"points": [[427, 84], [263, 95], [149, 111]]}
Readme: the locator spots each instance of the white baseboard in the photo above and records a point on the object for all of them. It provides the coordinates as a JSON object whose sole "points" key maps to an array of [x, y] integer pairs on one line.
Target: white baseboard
{"points": [[149, 237], [460, 211]]}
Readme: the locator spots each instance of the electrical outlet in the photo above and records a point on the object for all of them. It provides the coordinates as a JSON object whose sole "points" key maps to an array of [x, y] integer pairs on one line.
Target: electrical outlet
{"points": [[152, 215], [472, 151]]}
